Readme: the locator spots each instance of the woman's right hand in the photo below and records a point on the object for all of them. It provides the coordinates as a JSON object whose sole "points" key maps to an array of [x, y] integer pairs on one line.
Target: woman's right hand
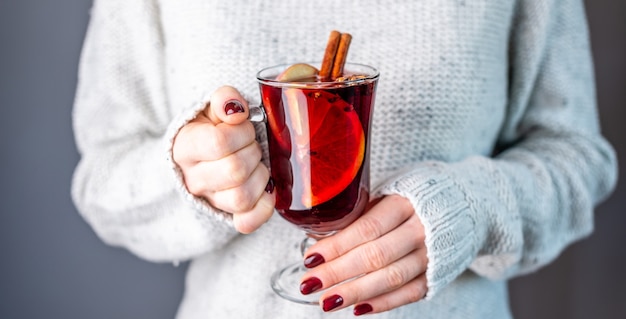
{"points": [[221, 161]]}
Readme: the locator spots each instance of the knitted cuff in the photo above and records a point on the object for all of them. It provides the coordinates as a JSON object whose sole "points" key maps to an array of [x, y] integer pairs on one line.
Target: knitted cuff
{"points": [[451, 229]]}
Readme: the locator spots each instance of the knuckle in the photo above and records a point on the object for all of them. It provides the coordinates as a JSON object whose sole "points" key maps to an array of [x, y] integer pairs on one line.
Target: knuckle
{"points": [[266, 204], [359, 295], [423, 261], [416, 292], [249, 129], [395, 277], [242, 224], [265, 174], [415, 223], [263, 209], [241, 200], [369, 228], [374, 257], [331, 276], [215, 141], [179, 156], [335, 248], [196, 186], [237, 172], [257, 151]]}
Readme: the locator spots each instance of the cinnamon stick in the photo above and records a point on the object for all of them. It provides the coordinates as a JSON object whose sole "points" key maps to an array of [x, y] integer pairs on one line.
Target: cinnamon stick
{"points": [[341, 55], [329, 55]]}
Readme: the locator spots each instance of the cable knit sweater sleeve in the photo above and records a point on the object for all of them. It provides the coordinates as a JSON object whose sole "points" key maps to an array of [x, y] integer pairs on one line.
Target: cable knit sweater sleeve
{"points": [[514, 212], [125, 185]]}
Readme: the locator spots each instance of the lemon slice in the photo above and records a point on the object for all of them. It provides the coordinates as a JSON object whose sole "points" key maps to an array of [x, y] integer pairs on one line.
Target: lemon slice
{"points": [[299, 72]]}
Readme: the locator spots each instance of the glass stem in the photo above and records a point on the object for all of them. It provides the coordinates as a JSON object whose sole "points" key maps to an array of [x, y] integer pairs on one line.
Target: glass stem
{"points": [[306, 243]]}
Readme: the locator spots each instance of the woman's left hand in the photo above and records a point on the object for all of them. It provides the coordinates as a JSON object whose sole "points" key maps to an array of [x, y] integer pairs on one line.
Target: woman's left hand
{"points": [[383, 251]]}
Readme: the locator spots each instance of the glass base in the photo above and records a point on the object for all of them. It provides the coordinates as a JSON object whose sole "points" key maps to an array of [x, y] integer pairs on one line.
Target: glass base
{"points": [[286, 283]]}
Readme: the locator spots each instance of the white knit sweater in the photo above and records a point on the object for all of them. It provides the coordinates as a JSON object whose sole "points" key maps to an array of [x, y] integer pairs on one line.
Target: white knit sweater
{"points": [[459, 79]]}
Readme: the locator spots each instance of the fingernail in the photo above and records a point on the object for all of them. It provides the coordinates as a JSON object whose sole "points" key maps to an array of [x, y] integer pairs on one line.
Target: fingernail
{"points": [[310, 285], [362, 309], [269, 188], [313, 260], [332, 302], [232, 107]]}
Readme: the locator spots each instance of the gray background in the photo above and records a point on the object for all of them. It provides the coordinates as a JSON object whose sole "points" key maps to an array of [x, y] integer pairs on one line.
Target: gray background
{"points": [[53, 266]]}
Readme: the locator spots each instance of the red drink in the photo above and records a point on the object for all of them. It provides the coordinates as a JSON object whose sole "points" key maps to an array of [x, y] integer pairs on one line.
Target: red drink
{"points": [[318, 142]]}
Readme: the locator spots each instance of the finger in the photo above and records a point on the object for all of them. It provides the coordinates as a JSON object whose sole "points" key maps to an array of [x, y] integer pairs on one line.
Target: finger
{"points": [[371, 256], [242, 198], [415, 290], [380, 282], [227, 106], [390, 212], [250, 221], [203, 141], [228, 172]]}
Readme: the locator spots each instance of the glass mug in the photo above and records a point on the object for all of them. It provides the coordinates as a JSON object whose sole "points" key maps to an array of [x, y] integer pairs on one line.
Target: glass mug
{"points": [[318, 139]]}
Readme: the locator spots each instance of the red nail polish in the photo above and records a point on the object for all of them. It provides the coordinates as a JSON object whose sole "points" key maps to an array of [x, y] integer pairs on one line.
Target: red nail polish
{"points": [[362, 309], [232, 107], [310, 285], [269, 188], [332, 302], [313, 260]]}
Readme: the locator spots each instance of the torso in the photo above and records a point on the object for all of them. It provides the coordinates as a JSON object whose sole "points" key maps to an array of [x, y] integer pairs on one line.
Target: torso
{"points": [[442, 95]]}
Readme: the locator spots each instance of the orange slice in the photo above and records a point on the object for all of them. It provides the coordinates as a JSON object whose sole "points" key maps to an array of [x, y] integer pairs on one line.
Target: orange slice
{"points": [[329, 143]]}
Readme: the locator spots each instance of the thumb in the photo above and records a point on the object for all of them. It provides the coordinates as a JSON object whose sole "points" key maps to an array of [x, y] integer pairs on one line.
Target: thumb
{"points": [[227, 106]]}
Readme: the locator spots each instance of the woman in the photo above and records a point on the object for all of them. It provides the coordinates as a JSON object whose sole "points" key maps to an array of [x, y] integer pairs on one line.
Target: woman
{"points": [[486, 155]]}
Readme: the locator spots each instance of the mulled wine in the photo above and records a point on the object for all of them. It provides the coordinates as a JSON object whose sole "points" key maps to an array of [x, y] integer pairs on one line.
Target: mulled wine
{"points": [[318, 142]]}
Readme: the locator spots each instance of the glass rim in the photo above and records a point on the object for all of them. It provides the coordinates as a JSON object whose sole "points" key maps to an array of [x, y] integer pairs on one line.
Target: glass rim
{"points": [[372, 75]]}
